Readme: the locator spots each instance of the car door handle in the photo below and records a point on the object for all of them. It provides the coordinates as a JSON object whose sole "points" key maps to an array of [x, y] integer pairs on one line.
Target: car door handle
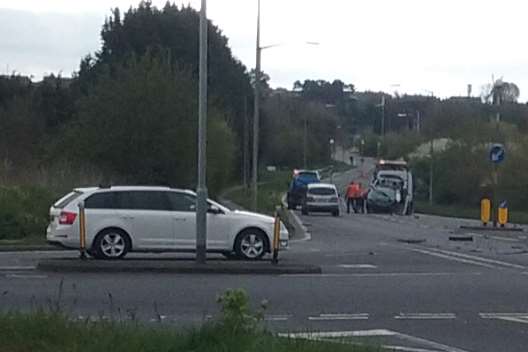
{"points": [[127, 217], [179, 219]]}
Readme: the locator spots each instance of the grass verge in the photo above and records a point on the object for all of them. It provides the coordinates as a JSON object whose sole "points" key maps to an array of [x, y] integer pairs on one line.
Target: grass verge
{"points": [[53, 332], [273, 185], [516, 217]]}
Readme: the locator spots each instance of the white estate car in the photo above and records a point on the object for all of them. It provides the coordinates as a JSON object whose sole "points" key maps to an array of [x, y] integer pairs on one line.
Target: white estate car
{"points": [[156, 219]]}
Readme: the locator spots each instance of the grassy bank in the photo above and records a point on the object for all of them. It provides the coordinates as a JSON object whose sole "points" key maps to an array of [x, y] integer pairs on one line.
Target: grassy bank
{"points": [[52, 332], [517, 217], [271, 188]]}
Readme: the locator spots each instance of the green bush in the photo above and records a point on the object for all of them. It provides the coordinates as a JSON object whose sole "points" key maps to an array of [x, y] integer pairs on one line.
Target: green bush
{"points": [[24, 211]]}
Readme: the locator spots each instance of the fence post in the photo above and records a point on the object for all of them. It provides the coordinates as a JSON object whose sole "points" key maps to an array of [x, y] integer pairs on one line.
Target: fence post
{"points": [[82, 231]]}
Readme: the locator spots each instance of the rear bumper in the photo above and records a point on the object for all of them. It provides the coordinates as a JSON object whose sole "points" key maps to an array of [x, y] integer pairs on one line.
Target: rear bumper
{"points": [[323, 207]]}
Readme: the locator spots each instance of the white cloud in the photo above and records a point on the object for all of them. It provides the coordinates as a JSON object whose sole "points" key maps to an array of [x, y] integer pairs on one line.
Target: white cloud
{"points": [[422, 45]]}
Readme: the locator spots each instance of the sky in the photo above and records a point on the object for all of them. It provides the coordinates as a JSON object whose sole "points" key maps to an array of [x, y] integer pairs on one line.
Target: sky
{"points": [[409, 46]]}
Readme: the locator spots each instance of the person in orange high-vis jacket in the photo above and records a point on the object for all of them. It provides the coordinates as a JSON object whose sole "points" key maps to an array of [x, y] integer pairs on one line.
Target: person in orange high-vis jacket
{"points": [[353, 193]]}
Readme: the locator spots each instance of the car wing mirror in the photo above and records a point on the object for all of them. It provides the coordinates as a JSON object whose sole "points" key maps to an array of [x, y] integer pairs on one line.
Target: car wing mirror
{"points": [[213, 209]]}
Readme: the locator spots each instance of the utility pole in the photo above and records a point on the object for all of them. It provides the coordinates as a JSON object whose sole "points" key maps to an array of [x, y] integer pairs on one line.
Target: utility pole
{"points": [[305, 142], [431, 152], [383, 116], [256, 118], [201, 192], [245, 153]]}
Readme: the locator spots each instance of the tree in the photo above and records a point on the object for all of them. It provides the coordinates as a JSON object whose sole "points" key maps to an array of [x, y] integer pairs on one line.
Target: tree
{"points": [[499, 92]]}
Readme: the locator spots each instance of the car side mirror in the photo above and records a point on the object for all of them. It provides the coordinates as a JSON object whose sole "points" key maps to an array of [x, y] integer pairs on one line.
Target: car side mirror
{"points": [[213, 209]]}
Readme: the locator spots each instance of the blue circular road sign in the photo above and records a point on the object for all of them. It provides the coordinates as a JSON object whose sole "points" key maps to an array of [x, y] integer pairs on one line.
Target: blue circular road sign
{"points": [[497, 153]]}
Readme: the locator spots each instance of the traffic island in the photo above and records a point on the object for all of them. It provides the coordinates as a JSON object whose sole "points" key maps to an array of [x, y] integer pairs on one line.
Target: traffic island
{"points": [[70, 265], [492, 228]]}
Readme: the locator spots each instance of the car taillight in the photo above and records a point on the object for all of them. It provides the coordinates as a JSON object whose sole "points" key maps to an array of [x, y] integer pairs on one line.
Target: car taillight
{"points": [[67, 218]]}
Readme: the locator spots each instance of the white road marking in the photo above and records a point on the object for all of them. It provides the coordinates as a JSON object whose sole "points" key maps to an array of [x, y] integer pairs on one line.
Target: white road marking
{"points": [[453, 258], [357, 266], [513, 317], [277, 317], [374, 275], [436, 347], [340, 316], [17, 267], [338, 334], [486, 260], [24, 276], [406, 349], [425, 316], [498, 238]]}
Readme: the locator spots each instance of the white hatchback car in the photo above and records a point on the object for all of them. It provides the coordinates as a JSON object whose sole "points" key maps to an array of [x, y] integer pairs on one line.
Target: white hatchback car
{"points": [[156, 219], [321, 197]]}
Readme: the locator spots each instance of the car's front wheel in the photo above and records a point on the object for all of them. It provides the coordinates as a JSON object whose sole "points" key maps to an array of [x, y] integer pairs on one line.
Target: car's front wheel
{"points": [[251, 244], [111, 244]]}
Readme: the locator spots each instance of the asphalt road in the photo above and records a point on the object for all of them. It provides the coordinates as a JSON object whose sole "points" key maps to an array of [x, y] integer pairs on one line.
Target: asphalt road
{"points": [[397, 279]]}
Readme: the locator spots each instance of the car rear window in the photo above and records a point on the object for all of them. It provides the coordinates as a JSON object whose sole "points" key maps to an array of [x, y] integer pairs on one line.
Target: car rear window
{"points": [[322, 191], [105, 200], [308, 177], [67, 199]]}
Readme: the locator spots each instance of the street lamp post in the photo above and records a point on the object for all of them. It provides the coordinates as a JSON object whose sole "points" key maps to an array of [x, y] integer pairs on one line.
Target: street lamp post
{"points": [[256, 118], [201, 191], [256, 112]]}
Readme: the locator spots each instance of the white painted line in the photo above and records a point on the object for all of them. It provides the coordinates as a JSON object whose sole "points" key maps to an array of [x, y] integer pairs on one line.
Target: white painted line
{"points": [[429, 343], [278, 317], [357, 266], [425, 316], [22, 276], [486, 260], [375, 275], [449, 257], [436, 347], [513, 317], [340, 316], [337, 334], [17, 267], [406, 349]]}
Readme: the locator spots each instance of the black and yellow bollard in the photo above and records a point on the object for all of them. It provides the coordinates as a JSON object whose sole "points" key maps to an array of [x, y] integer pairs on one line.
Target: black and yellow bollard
{"points": [[82, 231], [502, 214], [276, 238], [485, 211]]}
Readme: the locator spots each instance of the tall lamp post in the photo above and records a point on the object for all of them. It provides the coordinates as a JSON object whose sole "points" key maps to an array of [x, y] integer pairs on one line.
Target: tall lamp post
{"points": [[256, 112], [201, 190], [256, 118]]}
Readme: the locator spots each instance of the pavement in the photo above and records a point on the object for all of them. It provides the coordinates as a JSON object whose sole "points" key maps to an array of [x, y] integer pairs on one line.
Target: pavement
{"points": [[397, 280]]}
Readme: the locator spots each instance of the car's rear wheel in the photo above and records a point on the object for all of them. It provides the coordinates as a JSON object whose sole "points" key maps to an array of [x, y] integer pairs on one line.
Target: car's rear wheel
{"points": [[304, 210], [111, 244], [335, 213], [251, 244]]}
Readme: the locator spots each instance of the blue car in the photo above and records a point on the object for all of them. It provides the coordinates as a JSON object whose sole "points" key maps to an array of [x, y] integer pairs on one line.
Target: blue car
{"points": [[297, 191]]}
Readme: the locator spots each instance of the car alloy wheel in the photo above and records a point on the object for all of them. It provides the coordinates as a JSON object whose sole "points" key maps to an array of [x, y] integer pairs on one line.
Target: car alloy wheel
{"points": [[251, 245], [112, 244]]}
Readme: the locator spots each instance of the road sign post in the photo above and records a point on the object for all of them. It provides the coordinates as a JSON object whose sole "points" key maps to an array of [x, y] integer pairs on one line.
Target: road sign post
{"points": [[496, 156]]}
